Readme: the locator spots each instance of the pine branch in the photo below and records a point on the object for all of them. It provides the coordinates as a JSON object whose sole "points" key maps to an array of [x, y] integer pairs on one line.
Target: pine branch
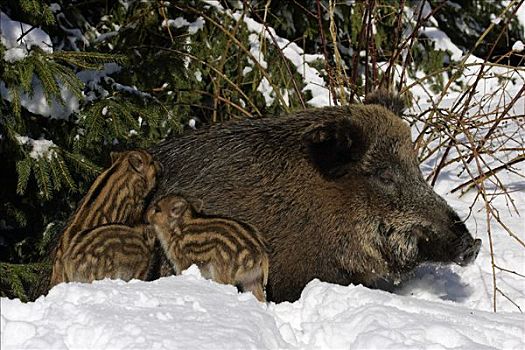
{"points": [[66, 176], [19, 216], [92, 122], [43, 177], [55, 176], [88, 60], [16, 105], [26, 69], [23, 169], [85, 167], [38, 10], [69, 79], [46, 77]]}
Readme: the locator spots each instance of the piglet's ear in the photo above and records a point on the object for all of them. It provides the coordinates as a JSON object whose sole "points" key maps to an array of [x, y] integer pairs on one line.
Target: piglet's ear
{"points": [[198, 204], [330, 146], [114, 156], [136, 161]]}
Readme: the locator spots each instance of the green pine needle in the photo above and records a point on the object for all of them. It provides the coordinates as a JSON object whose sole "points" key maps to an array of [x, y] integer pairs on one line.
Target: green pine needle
{"points": [[23, 169]]}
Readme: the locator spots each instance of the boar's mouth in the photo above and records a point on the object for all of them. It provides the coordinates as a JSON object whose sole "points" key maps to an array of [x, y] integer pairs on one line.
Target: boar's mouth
{"points": [[406, 248], [469, 254], [449, 247], [468, 248]]}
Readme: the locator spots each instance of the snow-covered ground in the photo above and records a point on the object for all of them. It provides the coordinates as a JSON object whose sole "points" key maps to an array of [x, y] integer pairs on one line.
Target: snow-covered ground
{"points": [[188, 312]]}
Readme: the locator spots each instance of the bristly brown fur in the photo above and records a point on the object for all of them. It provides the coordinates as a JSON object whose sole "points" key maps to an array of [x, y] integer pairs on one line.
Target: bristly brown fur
{"points": [[109, 251], [227, 251], [116, 196], [388, 99]]}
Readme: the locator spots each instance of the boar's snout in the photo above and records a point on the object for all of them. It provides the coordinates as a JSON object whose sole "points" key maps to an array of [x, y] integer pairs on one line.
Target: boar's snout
{"points": [[448, 241], [468, 247], [470, 253]]}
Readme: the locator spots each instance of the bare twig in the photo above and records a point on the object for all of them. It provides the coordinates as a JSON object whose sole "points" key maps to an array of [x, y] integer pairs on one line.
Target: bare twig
{"points": [[325, 53], [509, 299], [388, 77], [242, 47], [510, 271], [202, 61], [285, 60], [496, 124], [355, 58], [487, 174], [411, 44], [24, 33]]}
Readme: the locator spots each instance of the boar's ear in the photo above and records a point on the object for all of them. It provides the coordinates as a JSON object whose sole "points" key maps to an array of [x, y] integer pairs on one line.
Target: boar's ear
{"points": [[136, 161], [388, 99], [330, 146]]}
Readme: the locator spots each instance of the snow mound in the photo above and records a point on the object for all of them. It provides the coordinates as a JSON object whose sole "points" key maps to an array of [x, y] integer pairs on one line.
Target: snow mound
{"points": [[333, 317], [189, 312], [172, 313]]}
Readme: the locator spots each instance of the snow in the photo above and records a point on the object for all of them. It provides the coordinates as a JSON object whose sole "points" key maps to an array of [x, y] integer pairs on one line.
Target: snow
{"points": [[214, 3], [198, 75], [495, 19], [39, 148], [264, 87], [15, 54], [171, 313], [10, 33], [74, 37], [93, 79], [267, 91], [255, 50], [442, 42], [314, 82], [472, 286], [188, 312], [518, 46], [55, 7], [35, 102], [180, 22], [335, 317]]}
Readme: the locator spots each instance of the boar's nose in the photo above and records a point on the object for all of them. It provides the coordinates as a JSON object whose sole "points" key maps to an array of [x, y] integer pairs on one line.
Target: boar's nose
{"points": [[470, 254]]}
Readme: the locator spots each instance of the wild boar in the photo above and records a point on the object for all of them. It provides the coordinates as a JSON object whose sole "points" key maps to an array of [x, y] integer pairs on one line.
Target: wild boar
{"points": [[337, 192]]}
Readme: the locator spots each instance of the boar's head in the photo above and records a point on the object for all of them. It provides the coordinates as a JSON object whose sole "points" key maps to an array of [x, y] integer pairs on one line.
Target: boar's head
{"points": [[396, 219]]}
